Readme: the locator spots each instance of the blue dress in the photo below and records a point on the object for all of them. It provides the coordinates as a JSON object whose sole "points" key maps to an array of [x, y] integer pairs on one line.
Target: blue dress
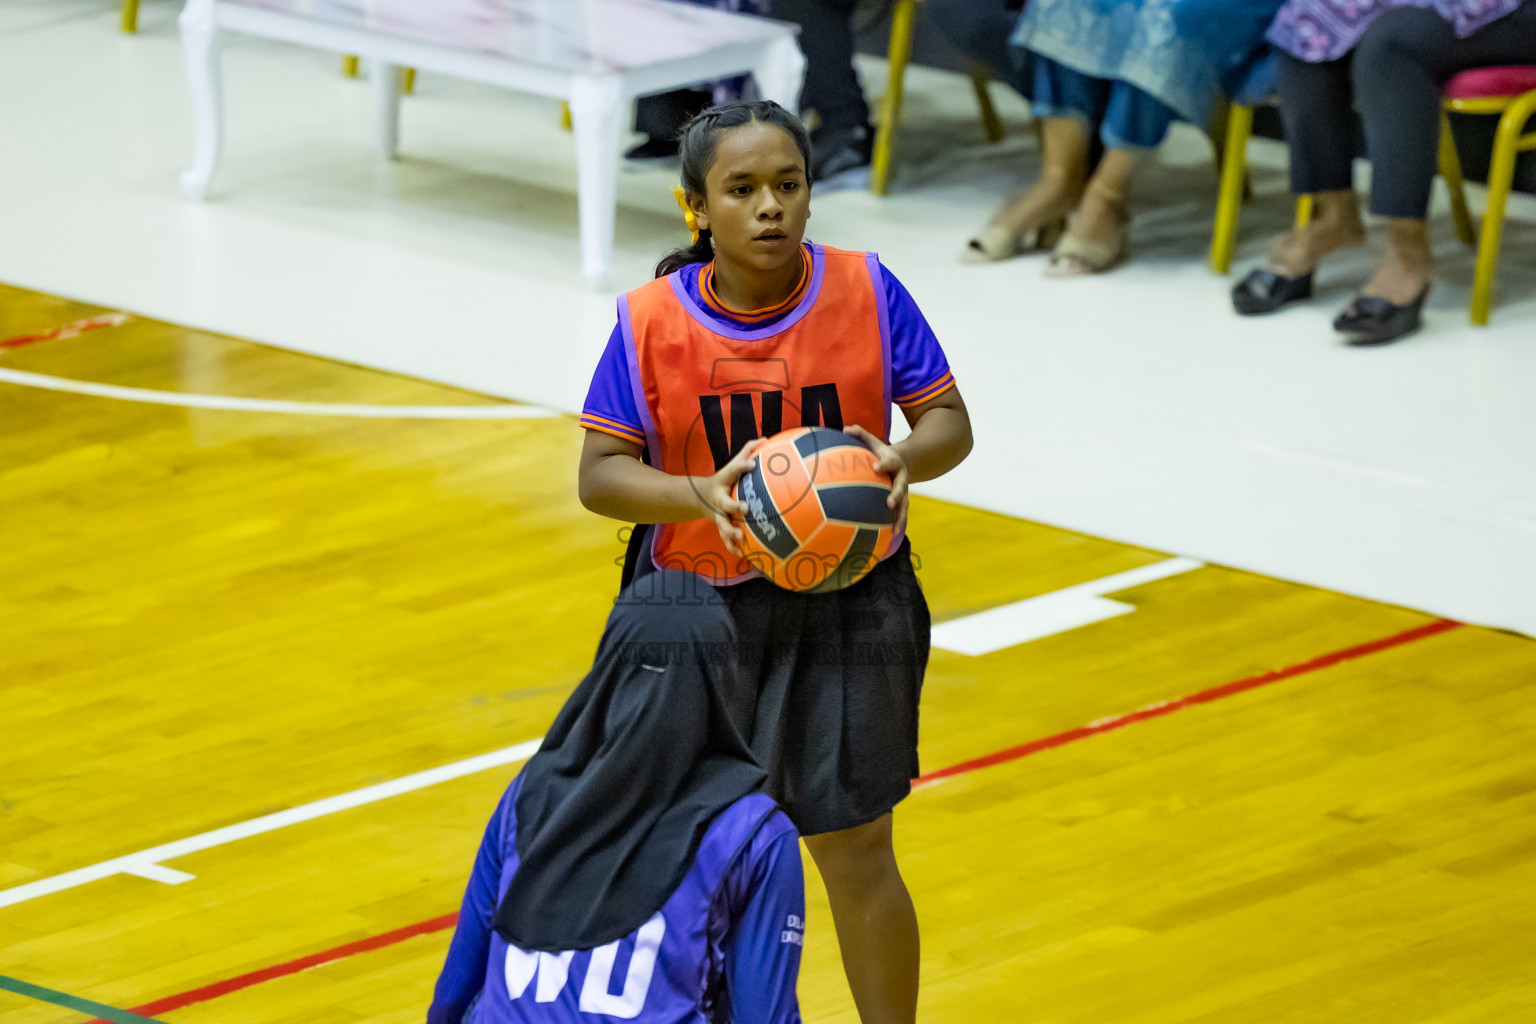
{"points": [[1170, 59]]}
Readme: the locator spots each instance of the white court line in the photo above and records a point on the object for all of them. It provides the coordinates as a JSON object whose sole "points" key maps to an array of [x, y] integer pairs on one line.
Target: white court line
{"points": [[231, 403], [982, 633], [160, 873], [145, 863], [1047, 614]]}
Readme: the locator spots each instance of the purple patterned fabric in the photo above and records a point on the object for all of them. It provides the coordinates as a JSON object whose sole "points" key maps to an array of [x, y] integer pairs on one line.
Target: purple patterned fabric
{"points": [[1319, 30]]}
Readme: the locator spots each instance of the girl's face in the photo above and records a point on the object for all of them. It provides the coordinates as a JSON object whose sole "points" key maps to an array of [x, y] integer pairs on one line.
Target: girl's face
{"points": [[756, 199]]}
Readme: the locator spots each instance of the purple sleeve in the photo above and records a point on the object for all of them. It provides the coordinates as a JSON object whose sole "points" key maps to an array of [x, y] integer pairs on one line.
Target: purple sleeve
{"points": [[610, 405], [919, 370], [762, 950], [464, 972]]}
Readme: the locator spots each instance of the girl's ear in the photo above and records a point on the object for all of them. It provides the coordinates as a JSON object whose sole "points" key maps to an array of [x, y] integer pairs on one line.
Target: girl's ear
{"points": [[700, 209]]}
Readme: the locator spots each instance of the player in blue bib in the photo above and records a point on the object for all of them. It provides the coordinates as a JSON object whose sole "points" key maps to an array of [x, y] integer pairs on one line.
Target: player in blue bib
{"points": [[634, 869]]}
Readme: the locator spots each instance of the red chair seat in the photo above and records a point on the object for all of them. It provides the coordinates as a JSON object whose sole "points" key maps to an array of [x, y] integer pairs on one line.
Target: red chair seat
{"points": [[1511, 80]]}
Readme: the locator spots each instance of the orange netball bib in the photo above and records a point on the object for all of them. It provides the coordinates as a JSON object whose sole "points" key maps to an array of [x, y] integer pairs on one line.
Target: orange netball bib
{"points": [[704, 388]]}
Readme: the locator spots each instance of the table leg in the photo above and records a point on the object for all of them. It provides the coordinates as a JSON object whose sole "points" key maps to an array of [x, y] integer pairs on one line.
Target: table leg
{"points": [[385, 79], [781, 73], [597, 114], [199, 49]]}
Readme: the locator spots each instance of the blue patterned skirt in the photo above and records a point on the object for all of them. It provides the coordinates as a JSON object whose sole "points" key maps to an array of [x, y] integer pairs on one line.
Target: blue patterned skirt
{"points": [[1182, 53]]}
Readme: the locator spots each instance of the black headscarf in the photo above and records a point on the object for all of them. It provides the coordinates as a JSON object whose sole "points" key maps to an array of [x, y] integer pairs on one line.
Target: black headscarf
{"points": [[647, 752]]}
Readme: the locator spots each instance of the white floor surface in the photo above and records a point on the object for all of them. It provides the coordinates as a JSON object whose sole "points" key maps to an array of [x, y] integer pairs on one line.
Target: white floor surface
{"points": [[1134, 406]]}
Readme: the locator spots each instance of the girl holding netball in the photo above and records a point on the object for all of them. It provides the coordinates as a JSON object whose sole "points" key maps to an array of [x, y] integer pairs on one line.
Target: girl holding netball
{"points": [[748, 332]]}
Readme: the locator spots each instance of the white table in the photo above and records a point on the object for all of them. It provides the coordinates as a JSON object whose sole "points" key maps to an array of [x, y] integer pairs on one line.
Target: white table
{"points": [[598, 55]]}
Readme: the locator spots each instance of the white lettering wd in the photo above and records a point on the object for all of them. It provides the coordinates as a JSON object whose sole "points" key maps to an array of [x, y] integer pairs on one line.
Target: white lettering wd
{"points": [[553, 969]]}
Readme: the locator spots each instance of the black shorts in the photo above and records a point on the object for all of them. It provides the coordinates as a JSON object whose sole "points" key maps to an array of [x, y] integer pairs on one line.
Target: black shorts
{"points": [[838, 678]]}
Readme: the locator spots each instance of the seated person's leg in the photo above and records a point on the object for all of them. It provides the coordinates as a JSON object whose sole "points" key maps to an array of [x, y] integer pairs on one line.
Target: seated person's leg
{"points": [[1401, 65], [843, 139], [1070, 107], [1397, 91], [1134, 125], [1318, 108]]}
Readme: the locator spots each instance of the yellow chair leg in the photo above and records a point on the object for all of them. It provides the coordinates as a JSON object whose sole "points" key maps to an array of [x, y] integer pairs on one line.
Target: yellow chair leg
{"points": [[1303, 211], [1450, 170], [130, 15], [565, 115], [890, 104], [990, 122], [1507, 144], [1229, 194], [349, 66], [1217, 134], [408, 82]]}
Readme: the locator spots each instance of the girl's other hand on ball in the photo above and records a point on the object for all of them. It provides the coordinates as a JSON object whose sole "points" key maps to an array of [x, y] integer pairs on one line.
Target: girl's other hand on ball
{"points": [[717, 500], [890, 461]]}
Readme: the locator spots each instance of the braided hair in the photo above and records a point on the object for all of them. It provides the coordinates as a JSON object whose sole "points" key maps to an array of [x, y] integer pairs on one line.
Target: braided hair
{"points": [[697, 142]]}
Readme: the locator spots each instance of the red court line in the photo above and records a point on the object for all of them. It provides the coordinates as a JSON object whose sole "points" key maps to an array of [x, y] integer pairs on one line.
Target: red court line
{"points": [[1215, 693], [74, 330], [303, 963], [1168, 707]]}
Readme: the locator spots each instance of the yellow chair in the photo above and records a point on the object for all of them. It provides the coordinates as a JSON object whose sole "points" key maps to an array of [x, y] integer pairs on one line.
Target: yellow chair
{"points": [[1509, 92], [349, 68], [1234, 165], [897, 54]]}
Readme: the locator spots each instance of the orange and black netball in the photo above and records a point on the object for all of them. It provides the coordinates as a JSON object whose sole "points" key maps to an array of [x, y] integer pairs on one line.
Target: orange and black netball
{"points": [[817, 517]]}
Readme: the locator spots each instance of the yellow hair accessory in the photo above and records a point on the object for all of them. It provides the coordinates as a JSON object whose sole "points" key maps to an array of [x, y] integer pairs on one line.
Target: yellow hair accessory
{"points": [[688, 217]]}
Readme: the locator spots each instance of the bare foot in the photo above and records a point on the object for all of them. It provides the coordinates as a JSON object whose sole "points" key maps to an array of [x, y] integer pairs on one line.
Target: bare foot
{"points": [[1402, 277], [1300, 251]]}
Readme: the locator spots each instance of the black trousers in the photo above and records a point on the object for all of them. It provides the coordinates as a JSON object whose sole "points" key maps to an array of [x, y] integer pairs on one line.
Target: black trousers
{"points": [[832, 86], [1392, 81]]}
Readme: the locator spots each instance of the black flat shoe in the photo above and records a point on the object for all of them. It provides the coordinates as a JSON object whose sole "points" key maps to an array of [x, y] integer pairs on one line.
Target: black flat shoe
{"points": [[1264, 291], [1371, 320]]}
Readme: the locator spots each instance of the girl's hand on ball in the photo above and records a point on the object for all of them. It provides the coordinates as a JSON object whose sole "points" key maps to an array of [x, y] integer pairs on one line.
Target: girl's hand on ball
{"points": [[716, 500], [892, 463]]}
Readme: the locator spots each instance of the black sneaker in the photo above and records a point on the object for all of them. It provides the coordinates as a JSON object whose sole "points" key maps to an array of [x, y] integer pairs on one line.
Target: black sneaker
{"points": [[840, 156]]}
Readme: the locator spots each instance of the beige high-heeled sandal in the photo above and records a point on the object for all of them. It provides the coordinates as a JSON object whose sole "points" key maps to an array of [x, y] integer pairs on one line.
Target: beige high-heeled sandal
{"points": [[1075, 256], [998, 242]]}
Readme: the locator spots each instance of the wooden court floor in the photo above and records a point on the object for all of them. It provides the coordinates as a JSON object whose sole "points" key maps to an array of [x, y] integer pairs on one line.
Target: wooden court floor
{"points": [[211, 616]]}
